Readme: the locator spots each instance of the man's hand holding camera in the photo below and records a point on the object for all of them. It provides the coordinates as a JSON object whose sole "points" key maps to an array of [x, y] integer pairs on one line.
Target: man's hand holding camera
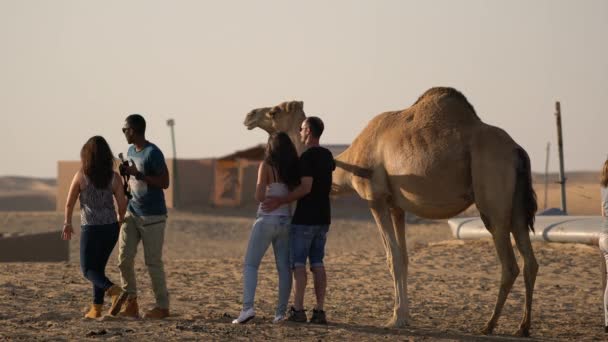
{"points": [[132, 170], [127, 168]]}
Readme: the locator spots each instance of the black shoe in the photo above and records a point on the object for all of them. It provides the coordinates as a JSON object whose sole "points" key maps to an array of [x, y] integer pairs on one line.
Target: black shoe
{"points": [[606, 329], [318, 317], [297, 315]]}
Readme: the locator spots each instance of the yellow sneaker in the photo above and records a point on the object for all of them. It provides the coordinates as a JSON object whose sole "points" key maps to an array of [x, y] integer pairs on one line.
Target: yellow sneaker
{"points": [[94, 312], [157, 313]]}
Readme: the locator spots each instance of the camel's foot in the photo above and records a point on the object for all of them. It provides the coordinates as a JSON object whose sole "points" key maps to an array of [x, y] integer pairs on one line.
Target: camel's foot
{"points": [[488, 329], [397, 322]]}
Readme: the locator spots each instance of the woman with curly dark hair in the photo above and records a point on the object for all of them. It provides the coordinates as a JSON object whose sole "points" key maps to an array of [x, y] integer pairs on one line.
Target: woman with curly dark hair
{"points": [[97, 185], [277, 175]]}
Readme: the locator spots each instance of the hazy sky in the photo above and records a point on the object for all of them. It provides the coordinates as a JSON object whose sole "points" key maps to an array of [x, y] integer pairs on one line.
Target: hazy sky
{"points": [[73, 69]]}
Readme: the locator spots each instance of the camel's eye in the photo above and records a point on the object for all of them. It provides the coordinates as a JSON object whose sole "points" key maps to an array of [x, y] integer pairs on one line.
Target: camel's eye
{"points": [[273, 112]]}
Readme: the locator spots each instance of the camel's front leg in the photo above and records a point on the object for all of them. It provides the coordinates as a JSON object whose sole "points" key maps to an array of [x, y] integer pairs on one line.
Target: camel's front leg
{"points": [[395, 260], [398, 218]]}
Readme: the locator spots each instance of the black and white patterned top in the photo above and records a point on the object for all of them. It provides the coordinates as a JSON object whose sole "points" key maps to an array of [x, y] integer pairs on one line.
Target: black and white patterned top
{"points": [[96, 205]]}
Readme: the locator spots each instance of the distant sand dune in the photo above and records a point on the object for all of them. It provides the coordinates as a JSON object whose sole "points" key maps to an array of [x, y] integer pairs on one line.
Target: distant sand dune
{"points": [[27, 201], [17, 183], [27, 194]]}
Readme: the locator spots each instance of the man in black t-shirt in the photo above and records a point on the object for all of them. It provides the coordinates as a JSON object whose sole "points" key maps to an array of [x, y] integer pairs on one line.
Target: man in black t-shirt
{"points": [[310, 221]]}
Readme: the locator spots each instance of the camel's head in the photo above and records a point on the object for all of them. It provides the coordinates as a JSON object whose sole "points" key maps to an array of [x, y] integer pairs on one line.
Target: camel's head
{"points": [[259, 118], [284, 117]]}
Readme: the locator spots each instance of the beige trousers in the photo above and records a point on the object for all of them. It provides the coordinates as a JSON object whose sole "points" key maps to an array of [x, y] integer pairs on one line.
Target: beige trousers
{"points": [[151, 231]]}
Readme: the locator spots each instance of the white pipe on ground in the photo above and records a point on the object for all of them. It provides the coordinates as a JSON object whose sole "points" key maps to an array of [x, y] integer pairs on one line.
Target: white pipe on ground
{"points": [[559, 228]]}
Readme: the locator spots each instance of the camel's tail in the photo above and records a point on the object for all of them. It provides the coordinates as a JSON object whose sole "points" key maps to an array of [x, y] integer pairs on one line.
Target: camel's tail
{"points": [[527, 196]]}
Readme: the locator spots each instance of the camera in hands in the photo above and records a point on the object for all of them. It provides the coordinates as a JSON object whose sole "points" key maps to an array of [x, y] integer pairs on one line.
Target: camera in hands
{"points": [[122, 169]]}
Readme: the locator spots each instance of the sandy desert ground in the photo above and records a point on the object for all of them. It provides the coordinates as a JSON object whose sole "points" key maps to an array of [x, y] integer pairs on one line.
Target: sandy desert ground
{"points": [[452, 284]]}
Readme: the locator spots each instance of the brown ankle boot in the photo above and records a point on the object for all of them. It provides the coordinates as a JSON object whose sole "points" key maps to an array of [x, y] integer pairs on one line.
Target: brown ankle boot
{"points": [[118, 299], [157, 313], [94, 312], [130, 308]]}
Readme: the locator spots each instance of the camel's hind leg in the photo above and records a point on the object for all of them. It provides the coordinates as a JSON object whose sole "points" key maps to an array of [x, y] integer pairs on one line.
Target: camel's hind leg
{"points": [[524, 210], [522, 239], [496, 164], [395, 260], [510, 270]]}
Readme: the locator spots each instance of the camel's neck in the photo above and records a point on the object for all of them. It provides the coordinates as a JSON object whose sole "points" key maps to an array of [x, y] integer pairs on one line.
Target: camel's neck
{"points": [[295, 138], [294, 134]]}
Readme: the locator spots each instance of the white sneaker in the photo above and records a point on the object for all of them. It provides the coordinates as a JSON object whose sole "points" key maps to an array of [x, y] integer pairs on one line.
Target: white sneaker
{"points": [[278, 319], [245, 316]]}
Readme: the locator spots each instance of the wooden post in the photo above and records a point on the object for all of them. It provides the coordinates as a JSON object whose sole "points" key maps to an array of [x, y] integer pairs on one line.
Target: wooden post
{"points": [[547, 173], [174, 181], [560, 147]]}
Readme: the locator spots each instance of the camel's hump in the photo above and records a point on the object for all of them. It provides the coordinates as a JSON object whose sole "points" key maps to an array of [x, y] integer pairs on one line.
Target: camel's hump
{"points": [[437, 94]]}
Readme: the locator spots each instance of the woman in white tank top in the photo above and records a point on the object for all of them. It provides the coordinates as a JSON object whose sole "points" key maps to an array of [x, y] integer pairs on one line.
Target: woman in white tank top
{"points": [[603, 239], [277, 174]]}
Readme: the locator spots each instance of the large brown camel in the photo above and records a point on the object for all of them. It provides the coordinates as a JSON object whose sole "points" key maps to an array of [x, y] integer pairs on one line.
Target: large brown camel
{"points": [[433, 159]]}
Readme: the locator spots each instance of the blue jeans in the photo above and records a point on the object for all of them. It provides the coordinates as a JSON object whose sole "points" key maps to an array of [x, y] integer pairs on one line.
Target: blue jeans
{"points": [[96, 245], [307, 242], [266, 230]]}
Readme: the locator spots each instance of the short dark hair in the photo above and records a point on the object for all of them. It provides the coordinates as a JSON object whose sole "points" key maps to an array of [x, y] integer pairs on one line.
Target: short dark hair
{"points": [[315, 125], [137, 123]]}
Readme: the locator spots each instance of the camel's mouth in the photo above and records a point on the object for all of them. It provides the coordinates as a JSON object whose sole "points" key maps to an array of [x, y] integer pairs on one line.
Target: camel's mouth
{"points": [[250, 125]]}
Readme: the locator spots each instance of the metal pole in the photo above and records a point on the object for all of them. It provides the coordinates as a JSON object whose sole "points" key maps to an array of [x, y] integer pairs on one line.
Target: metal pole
{"points": [[547, 173], [171, 123], [560, 147]]}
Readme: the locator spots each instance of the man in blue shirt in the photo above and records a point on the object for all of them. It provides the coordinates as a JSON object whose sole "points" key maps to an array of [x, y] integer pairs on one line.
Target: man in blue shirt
{"points": [[145, 220]]}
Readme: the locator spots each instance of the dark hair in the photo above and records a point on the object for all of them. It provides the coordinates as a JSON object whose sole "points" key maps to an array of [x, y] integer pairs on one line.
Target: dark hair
{"points": [[282, 155], [316, 126], [97, 161], [604, 175], [137, 123]]}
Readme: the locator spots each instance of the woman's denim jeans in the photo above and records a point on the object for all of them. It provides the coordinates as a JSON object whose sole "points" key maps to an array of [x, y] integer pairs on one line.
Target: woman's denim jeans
{"points": [[266, 230], [96, 245]]}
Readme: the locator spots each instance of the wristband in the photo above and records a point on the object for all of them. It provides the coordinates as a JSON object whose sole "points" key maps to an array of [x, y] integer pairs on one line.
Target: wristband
{"points": [[139, 175], [67, 224]]}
